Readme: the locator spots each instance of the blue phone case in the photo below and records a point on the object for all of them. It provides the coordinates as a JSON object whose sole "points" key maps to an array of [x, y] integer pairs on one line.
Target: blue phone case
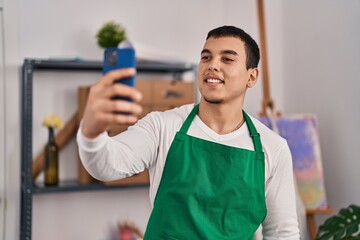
{"points": [[116, 58]]}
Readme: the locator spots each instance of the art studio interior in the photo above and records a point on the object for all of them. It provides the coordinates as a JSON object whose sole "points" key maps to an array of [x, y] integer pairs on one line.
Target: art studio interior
{"points": [[52, 53]]}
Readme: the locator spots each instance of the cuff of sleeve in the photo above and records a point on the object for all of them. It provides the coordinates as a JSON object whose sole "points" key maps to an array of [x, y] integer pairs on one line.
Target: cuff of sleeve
{"points": [[91, 145]]}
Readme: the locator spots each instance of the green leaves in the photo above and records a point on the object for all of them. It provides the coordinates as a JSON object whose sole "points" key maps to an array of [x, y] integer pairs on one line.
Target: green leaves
{"points": [[110, 35], [344, 225]]}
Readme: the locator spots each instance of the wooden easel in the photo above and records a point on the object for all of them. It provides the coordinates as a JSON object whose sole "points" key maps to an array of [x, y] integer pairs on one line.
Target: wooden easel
{"points": [[310, 217], [268, 103]]}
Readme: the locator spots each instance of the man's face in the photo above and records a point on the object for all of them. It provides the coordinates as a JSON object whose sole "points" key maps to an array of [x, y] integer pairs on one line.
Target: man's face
{"points": [[223, 76]]}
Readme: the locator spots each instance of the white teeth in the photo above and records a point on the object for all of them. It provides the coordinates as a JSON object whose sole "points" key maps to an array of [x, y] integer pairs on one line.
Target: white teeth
{"points": [[213, 80]]}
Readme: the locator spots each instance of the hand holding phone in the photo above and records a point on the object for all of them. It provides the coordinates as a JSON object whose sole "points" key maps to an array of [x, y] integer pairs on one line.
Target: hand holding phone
{"points": [[117, 58]]}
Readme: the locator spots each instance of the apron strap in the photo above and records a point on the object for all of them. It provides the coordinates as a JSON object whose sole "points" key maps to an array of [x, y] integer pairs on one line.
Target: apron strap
{"points": [[253, 133], [189, 119]]}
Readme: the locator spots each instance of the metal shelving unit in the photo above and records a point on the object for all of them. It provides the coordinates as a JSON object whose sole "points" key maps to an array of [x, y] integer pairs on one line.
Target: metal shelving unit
{"points": [[28, 188]]}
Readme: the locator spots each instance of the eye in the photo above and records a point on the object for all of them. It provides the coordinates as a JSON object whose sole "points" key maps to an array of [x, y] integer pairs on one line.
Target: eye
{"points": [[225, 59], [205, 57]]}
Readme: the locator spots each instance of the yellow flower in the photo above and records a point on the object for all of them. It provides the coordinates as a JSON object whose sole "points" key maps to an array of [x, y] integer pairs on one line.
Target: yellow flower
{"points": [[52, 121]]}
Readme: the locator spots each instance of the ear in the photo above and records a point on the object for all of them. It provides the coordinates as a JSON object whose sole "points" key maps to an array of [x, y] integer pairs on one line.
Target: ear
{"points": [[253, 76]]}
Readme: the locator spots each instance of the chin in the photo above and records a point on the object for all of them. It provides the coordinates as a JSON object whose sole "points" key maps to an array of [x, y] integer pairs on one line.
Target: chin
{"points": [[213, 101]]}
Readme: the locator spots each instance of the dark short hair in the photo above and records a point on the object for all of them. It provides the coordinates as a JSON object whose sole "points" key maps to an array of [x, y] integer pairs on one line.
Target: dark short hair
{"points": [[251, 48]]}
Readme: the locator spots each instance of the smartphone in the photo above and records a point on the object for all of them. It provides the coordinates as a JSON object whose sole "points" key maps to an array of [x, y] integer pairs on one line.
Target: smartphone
{"points": [[117, 58]]}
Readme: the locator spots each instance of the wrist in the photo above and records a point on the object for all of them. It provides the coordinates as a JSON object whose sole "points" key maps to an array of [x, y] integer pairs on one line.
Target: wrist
{"points": [[88, 133]]}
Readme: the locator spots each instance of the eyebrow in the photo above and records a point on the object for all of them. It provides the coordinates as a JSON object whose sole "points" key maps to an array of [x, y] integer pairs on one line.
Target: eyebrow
{"points": [[232, 52], [205, 51]]}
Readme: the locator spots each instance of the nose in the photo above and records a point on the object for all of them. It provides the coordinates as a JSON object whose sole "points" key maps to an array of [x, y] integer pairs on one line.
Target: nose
{"points": [[214, 65], [213, 68]]}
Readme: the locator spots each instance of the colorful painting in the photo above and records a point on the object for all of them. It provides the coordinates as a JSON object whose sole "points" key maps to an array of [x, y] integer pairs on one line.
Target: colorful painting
{"points": [[301, 133]]}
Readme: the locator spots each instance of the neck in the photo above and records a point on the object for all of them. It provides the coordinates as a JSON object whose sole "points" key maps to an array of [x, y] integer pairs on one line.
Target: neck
{"points": [[51, 135], [221, 118]]}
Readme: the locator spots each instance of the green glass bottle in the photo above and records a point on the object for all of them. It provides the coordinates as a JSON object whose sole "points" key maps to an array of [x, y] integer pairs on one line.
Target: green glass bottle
{"points": [[51, 160]]}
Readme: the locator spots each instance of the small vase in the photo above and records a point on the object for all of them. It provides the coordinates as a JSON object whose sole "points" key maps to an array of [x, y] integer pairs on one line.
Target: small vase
{"points": [[51, 160]]}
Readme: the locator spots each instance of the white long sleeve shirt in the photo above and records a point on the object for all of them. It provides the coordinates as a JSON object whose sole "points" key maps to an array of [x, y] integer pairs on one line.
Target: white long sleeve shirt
{"points": [[146, 144]]}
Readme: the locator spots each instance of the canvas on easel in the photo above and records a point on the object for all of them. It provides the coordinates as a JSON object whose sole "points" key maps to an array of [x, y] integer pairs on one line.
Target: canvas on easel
{"points": [[301, 133]]}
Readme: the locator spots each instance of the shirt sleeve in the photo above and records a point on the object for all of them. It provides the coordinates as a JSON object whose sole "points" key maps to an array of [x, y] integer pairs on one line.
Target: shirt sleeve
{"points": [[281, 220], [128, 153]]}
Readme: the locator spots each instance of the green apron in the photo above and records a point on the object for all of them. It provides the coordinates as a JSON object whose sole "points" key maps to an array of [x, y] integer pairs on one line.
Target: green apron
{"points": [[209, 190]]}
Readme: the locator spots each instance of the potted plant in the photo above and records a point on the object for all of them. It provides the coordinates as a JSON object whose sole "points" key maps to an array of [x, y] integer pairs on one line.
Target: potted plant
{"points": [[110, 35], [344, 225]]}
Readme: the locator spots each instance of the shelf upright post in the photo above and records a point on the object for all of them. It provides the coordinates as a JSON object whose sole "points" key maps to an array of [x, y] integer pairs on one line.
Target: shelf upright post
{"points": [[26, 151]]}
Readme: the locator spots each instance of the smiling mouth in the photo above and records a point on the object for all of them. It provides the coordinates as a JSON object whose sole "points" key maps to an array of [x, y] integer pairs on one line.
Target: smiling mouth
{"points": [[213, 80]]}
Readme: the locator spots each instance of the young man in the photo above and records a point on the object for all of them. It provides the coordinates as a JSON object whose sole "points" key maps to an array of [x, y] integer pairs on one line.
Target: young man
{"points": [[215, 172]]}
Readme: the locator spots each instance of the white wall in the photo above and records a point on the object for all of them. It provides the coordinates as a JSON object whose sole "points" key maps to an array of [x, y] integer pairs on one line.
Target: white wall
{"points": [[2, 129], [321, 70], [306, 57], [12, 119]]}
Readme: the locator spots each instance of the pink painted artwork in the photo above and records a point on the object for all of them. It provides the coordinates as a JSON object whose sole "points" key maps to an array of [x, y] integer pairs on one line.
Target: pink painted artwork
{"points": [[301, 133]]}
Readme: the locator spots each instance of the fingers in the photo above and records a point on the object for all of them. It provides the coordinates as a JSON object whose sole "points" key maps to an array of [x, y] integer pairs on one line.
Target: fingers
{"points": [[99, 115], [122, 90], [102, 110], [122, 106], [113, 75], [106, 85]]}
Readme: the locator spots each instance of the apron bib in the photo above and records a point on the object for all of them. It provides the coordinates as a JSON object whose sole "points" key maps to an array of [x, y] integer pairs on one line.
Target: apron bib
{"points": [[209, 190]]}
